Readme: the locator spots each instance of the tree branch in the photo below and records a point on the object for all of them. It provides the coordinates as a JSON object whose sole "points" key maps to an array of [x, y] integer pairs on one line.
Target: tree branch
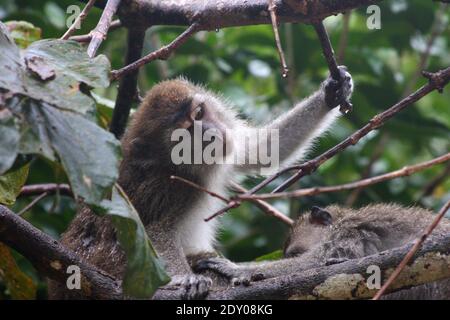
{"points": [[413, 251], [128, 85], [215, 15], [116, 24], [345, 280], [77, 23], [51, 259], [101, 30], [49, 188], [405, 171], [162, 53]]}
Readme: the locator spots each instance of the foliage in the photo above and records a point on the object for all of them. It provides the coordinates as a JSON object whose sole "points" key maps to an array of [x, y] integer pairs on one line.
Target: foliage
{"points": [[243, 64]]}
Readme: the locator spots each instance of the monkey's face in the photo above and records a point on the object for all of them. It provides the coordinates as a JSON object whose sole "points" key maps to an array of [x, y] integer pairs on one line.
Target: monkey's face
{"points": [[184, 123], [309, 231]]}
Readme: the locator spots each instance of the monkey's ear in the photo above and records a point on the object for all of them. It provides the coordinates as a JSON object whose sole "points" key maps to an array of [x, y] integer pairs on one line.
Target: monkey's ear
{"points": [[320, 216]]}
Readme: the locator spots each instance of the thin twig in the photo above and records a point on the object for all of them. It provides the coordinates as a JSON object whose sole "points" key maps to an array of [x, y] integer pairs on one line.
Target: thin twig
{"points": [[116, 24], [264, 206], [101, 30], [436, 82], [162, 53], [50, 188], [328, 52], [199, 187], [273, 17], [343, 40], [413, 250], [405, 171], [77, 23], [32, 203]]}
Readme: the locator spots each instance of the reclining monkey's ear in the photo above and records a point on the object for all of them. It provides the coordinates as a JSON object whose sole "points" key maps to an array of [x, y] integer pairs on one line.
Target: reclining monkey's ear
{"points": [[320, 216]]}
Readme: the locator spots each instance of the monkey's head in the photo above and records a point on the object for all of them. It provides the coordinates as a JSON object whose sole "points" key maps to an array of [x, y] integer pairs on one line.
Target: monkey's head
{"points": [[309, 230], [181, 124]]}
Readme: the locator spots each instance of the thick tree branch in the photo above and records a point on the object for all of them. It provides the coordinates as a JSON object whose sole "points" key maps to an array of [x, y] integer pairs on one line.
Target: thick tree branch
{"points": [[214, 14], [345, 280], [51, 259]]}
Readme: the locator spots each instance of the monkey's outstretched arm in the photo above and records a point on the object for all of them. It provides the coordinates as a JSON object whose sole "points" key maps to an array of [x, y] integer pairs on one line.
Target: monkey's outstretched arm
{"points": [[306, 121]]}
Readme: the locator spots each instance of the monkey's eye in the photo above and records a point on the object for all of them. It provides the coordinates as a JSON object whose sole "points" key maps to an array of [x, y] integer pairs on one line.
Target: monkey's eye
{"points": [[198, 113]]}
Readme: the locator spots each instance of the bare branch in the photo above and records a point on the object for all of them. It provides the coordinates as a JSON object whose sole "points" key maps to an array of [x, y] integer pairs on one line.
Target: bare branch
{"points": [[273, 17], [162, 53], [116, 24], [264, 206], [413, 250], [198, 187], [101, 30], [128, 85], [51, 259], [50, 188], [77, 23], [405, 171], [343, 40], [216, 15], [32, 203]]}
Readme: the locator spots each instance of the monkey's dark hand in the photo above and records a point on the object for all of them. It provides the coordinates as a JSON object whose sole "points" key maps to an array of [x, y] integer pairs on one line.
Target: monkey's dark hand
{"points": [[235, 274], [337, 92], [195, 286]]}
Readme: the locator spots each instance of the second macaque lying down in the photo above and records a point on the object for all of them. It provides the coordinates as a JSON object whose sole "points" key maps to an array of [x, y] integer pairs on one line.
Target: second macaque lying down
{"points": [[336, 234]]}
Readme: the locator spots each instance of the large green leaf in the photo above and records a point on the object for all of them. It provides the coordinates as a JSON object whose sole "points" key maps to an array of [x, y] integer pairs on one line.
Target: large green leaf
{"points": [[144, 273], [47, 88]]}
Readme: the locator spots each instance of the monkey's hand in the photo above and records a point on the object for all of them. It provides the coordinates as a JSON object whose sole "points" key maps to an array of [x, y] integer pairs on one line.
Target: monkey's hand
{"points": [[235, 274], [336, 91], [195, 286]]}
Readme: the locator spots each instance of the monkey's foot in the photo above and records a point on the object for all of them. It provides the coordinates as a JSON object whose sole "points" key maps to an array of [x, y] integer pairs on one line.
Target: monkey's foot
{"points": [[195, 286], [336, 91], [236, 275]]}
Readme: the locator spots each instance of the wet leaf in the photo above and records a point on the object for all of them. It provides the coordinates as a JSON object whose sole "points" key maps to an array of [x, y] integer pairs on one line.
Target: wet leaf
{"points": [[23, 33]]}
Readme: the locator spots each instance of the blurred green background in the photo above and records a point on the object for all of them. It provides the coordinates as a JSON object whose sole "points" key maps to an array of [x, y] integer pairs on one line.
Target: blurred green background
{"points": [[242, 63]]}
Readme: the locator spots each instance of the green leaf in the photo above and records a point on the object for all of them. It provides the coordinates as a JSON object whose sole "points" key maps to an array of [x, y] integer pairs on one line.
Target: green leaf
{"points": [[11, 183], [45, 88], [276, 255], [20, 285], [144, 273], [23, 33]]}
